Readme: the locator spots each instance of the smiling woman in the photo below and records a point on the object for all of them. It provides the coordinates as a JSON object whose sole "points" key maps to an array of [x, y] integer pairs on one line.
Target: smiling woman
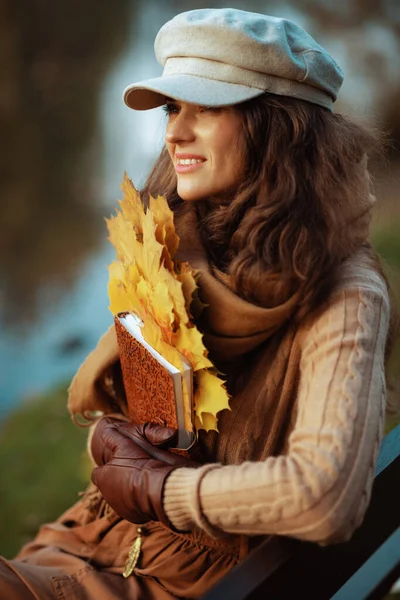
{"points": [[272, 199], [203, 145]]}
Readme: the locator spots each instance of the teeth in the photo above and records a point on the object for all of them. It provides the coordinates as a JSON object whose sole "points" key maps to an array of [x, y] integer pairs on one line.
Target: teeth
{"points": [[189, 161]]}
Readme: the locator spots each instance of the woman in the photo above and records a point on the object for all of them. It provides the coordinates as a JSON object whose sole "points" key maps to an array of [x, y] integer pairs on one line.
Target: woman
{"points": [[272, 203]]}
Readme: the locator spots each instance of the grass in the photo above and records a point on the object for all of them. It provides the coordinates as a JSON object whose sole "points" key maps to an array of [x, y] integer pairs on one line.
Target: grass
{"points": [[43, 467], [387, 243], [386, 240]]}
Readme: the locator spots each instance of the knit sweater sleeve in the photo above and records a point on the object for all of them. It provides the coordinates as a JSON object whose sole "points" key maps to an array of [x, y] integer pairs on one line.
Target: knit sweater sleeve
{"points": [[319, 490]]}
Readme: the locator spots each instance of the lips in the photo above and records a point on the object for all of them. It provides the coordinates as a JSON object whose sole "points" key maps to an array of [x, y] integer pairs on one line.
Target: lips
{"points": [[180, 168], [186, 163]]}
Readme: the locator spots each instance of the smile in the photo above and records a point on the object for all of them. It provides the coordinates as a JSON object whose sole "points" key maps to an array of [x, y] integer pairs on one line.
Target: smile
{"points": [[186, 165], [189, 161]]}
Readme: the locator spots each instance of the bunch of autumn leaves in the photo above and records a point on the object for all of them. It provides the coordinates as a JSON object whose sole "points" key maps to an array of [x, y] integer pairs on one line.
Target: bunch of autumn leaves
{"points": [[147, 280]]}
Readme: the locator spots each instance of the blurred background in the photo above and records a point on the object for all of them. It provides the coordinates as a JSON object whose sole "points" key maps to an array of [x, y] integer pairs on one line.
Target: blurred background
{"points": [[66, 140]]}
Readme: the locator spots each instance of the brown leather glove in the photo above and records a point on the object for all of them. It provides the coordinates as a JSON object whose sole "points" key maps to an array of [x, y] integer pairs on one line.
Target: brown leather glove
{"points": [[134, 468]]}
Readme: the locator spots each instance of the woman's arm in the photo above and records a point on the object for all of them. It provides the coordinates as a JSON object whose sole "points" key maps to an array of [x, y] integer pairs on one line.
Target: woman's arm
{"points": [[320, 489]]}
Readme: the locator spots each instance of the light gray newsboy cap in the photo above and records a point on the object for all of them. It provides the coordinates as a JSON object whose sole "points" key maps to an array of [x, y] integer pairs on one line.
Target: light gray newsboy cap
{"points": [[219, 57]]}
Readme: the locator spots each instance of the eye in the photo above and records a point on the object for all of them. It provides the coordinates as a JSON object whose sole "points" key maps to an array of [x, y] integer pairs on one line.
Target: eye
{"points": [[210, 108], [170, 108]]}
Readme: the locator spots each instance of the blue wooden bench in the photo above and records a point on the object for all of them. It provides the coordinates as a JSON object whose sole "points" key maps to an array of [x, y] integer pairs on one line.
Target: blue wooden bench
{"points": [[365, 568]]}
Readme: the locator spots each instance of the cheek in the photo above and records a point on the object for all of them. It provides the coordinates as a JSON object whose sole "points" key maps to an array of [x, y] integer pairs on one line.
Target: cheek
{"points": [[231, 159], [227, 143]]}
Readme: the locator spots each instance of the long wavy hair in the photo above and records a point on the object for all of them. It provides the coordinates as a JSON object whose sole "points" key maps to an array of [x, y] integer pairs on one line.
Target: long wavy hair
{"points": [[302, 208]]}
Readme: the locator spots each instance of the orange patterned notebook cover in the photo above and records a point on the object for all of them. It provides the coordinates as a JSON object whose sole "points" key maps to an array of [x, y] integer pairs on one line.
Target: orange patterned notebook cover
{"points": [[153, 386]]}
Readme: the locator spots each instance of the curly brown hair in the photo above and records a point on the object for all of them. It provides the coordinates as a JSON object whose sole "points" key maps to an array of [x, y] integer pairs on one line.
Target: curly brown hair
{"points": [[303, 207]]}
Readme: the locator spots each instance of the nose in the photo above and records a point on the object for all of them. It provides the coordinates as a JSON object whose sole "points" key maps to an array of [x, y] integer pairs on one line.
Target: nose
{"points": [[180, 129]]}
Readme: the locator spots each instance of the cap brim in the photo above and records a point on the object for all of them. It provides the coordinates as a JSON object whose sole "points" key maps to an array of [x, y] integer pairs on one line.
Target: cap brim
{"points": [[187, 88]]}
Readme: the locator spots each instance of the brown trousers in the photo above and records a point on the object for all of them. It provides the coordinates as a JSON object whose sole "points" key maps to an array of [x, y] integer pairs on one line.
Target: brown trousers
{"points": [[81, 556], [53, 575]]}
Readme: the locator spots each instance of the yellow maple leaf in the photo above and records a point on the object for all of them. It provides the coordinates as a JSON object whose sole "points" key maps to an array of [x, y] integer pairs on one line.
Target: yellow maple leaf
{"points": [[122, 288], [163, 307], [131, 205], [122, 237], [208, 422], [153, 334], [165, 230], [119, 299], [189, 340], [176, 293], [211, 396], [189, 286]]}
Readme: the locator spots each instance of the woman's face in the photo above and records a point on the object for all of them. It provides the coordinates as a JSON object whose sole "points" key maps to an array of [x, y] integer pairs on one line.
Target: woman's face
{"points": [[203, 145]]}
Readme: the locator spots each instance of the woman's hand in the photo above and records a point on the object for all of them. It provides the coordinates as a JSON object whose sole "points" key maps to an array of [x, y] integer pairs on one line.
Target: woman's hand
{"points": [[134, 466]]}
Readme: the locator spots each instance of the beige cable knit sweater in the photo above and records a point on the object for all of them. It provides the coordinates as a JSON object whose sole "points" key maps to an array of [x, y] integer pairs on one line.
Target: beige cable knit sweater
{"points": [[294, 456], [319, 487]]}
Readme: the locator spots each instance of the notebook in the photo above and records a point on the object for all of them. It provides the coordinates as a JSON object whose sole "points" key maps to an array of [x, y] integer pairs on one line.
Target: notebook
{"points": [[153, 386]]}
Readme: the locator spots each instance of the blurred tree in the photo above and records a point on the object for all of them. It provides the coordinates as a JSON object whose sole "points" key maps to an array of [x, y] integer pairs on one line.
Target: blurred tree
{"points": [[53, 58], [391, 120], [368, 34]]}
